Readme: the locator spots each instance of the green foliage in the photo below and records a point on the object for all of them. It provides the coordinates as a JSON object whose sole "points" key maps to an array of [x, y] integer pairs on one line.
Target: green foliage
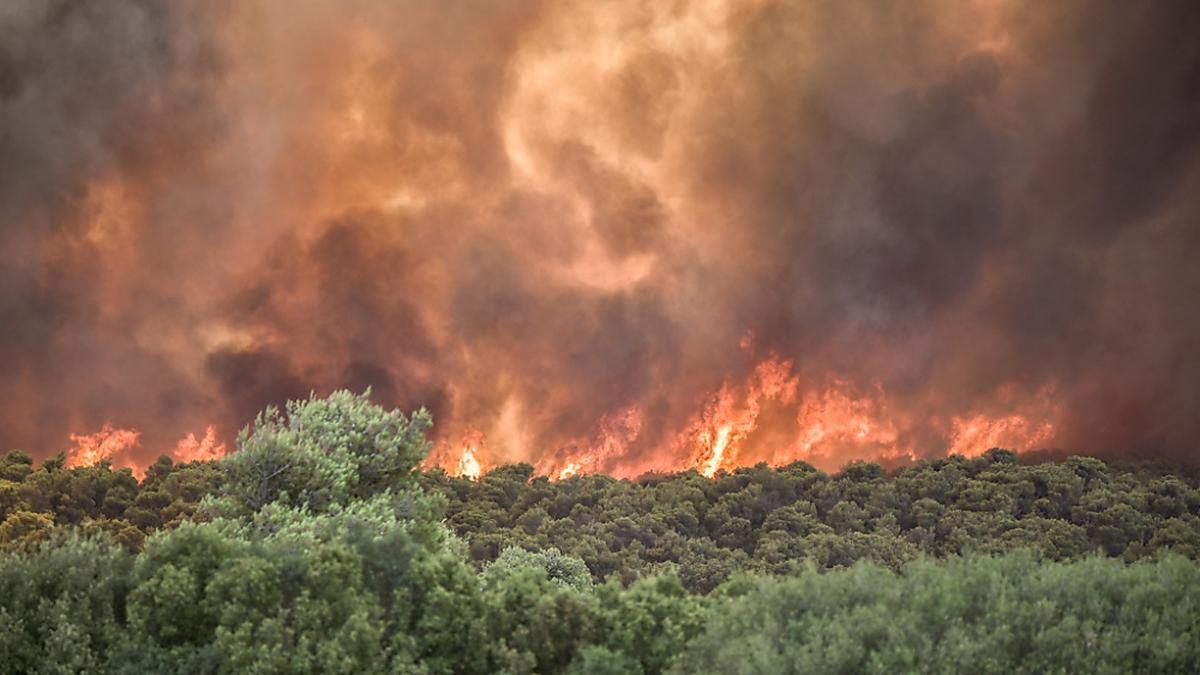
{"points": [[324, 452], [15, 466], [61, 605], [651, 621], [359, 588], [316, 547], [769, 520], [95, 499], [535, 624], [1015, 613], [598, 660], [25, 529], [558, 568]]}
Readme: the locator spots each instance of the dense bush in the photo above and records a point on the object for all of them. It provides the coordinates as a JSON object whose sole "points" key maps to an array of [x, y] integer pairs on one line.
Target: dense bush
{"points": [[318, 547], [763, 519], [1013, 613]]}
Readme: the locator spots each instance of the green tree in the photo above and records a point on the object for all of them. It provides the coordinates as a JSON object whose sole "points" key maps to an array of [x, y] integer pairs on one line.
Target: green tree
{"points": [[61, 605], [325, 451], [561, 569]]}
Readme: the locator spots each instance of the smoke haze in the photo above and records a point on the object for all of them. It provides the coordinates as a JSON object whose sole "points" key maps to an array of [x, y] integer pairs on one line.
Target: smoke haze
{"points": [[605, 236]]}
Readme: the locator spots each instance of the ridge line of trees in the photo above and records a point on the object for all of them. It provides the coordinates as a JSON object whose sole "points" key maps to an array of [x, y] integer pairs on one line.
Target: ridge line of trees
{"points": [[319, 547]]}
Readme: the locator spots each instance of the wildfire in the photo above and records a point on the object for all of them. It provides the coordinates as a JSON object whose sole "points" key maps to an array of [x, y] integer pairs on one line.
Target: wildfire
{"points": [[972, 435], [838, 417], [117, 446], [773, 416], [109, 443], [567, 225], [718, 447], [469, 464], [776, 417], [616, 434], [191, 449], [728, 419]]}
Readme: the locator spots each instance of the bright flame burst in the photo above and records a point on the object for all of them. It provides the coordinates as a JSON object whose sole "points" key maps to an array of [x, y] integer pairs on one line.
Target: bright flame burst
{"points": [[191, 449], [766, 418], [469, 464], [108, 443], [772, 418], [717, 432], [616, 434], [972, 435], [838, 416], [117, 446]]}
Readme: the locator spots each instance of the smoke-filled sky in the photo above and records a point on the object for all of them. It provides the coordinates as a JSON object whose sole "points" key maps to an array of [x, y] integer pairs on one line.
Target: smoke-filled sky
{"points": [[607, 235]]}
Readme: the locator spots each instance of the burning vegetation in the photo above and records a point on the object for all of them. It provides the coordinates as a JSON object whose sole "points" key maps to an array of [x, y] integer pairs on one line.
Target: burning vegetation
{"points": [[733, 315], [320, 546], [603, 237]]}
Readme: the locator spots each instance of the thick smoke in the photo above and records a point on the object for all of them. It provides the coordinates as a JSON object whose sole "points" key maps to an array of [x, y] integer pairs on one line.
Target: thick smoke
{"points": [[534, 218]]}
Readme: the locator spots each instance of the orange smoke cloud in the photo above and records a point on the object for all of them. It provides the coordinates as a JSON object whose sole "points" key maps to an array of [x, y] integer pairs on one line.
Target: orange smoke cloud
{"points": [[605, 237]]}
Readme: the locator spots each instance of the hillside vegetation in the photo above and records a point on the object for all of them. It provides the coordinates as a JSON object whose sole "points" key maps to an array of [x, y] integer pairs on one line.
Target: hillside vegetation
{"points": [[318, 547]]}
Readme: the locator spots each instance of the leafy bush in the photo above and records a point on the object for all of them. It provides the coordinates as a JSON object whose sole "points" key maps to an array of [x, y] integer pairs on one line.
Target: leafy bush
{"points": [[1015, 613], [324, 452]]}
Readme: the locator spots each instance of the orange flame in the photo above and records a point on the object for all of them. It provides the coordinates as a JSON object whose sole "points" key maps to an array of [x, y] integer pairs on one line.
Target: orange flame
{"points": [[617, 432], [766, 418], [830, 423], [191, 449], [116, 445], [469, 464], [973, 434], [839, 418], [715, 434], [107, 443]]}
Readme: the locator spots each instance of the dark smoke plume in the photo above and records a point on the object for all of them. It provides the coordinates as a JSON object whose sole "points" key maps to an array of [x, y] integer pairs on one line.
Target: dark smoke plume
{"points": [[556, 223]]}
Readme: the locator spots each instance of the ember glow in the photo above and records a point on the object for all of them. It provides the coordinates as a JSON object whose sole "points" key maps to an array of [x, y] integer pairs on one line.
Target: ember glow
{"points": [[607, 237]]}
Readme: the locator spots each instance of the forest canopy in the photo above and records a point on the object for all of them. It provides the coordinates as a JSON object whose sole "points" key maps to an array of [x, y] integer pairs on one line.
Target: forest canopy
{"points": [[320, 546]]}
